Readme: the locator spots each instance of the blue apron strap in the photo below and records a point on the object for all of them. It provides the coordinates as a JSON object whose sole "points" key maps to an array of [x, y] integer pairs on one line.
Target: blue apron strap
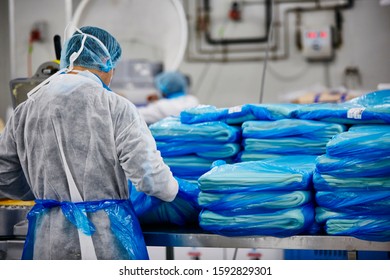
{"points": [[35, 213]]}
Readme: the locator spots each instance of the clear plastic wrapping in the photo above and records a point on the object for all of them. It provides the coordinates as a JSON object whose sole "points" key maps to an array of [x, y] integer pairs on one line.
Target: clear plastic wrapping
{"points": [[237, 114], [315, 130], [284, 173], [373, 107], [280, 223], [171, 129]]}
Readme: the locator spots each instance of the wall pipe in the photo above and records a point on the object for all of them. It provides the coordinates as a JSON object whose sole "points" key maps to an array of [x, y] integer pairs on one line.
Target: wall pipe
{"points": [[263, 39], [272, 56], [274, 47], [285, 53]]}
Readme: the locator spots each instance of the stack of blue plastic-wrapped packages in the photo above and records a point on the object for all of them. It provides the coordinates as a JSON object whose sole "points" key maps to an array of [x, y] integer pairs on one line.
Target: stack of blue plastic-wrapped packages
{"points": [[272, 197], [352, 178], [270, 139], [353, 183], [275, 196], [373, 107], [190, 149], [268, 130]]}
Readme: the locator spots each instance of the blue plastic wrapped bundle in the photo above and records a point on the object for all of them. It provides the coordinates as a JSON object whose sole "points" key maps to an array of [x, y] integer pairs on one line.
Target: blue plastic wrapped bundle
{"points": [[370, 108], [171, 129], [370, 141], [324, 182], [284, 173], [314, 229], [183, 210], [373, 202], [370, 128], [203, 113], [188, 167], [242, 202], [352, 167], [291, 128], [300, 162], [254, 156], [286, 137], [379, 99], [287, 145], [280, 223], [237, 114], [272, 112], [359, 225], [206, 150]]}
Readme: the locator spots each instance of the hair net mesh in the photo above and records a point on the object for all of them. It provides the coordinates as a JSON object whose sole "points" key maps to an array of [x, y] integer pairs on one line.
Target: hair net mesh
{"points": [[170, 83], [93, 55]]}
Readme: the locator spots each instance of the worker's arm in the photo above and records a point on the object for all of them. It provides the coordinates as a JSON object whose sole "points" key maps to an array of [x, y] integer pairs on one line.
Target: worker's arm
{"points": [[13, 183], [140, 158]]}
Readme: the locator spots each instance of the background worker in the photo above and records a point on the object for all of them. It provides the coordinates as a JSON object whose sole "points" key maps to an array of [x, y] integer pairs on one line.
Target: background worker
{"points": [[174, 88]]}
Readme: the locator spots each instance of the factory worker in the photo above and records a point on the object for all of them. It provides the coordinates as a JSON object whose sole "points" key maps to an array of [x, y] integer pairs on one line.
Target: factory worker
{"points": [[173, 87], [73, 144]]}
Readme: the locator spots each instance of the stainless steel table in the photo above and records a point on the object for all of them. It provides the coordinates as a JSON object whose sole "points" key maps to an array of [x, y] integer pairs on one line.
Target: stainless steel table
{"points": [[197, 238], [174, 237]]}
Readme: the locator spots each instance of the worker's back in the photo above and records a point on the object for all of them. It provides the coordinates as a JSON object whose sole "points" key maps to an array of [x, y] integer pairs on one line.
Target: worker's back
{"points": [[84, 124]]}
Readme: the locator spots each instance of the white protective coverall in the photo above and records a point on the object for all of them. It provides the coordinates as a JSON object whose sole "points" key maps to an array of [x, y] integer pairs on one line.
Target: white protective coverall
{"points": [[105, 142], [167, 107]]}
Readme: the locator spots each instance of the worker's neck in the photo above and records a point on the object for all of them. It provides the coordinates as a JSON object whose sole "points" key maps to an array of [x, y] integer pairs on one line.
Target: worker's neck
{"points": [[105, 77]]}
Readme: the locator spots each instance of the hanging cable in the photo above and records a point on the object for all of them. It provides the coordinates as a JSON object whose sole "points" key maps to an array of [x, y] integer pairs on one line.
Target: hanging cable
{"points": [[235, 254], [35, 36], [270, 31]]}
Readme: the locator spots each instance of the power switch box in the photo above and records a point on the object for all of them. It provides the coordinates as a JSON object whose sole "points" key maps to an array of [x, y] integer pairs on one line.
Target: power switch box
{"points": [[317, 43]]}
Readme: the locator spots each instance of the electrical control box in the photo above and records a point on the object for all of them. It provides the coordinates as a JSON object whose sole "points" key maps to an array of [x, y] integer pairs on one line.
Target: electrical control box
{"points": [[317, 43]]}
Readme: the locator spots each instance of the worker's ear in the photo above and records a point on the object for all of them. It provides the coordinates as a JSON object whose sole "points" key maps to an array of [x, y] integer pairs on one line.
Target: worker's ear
{"points": [[111, 74], [152, 97]]}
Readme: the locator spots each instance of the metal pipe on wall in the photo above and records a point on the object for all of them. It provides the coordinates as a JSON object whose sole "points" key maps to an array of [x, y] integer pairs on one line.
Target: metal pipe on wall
{"points": [[261, 39], [274, 47], [285, 54]]}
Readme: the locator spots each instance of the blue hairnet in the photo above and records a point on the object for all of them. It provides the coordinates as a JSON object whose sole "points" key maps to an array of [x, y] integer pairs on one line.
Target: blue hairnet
{"points": [[93, 55], [171, 84]]}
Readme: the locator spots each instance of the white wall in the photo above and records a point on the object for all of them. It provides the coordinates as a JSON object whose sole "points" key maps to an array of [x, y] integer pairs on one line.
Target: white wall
{"points": [[26, 13], [366, 40], [366, 34]]}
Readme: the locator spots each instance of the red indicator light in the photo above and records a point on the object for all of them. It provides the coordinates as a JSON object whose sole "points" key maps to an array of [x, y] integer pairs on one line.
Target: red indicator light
{"points": [[311, 35], [323, 34]]}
